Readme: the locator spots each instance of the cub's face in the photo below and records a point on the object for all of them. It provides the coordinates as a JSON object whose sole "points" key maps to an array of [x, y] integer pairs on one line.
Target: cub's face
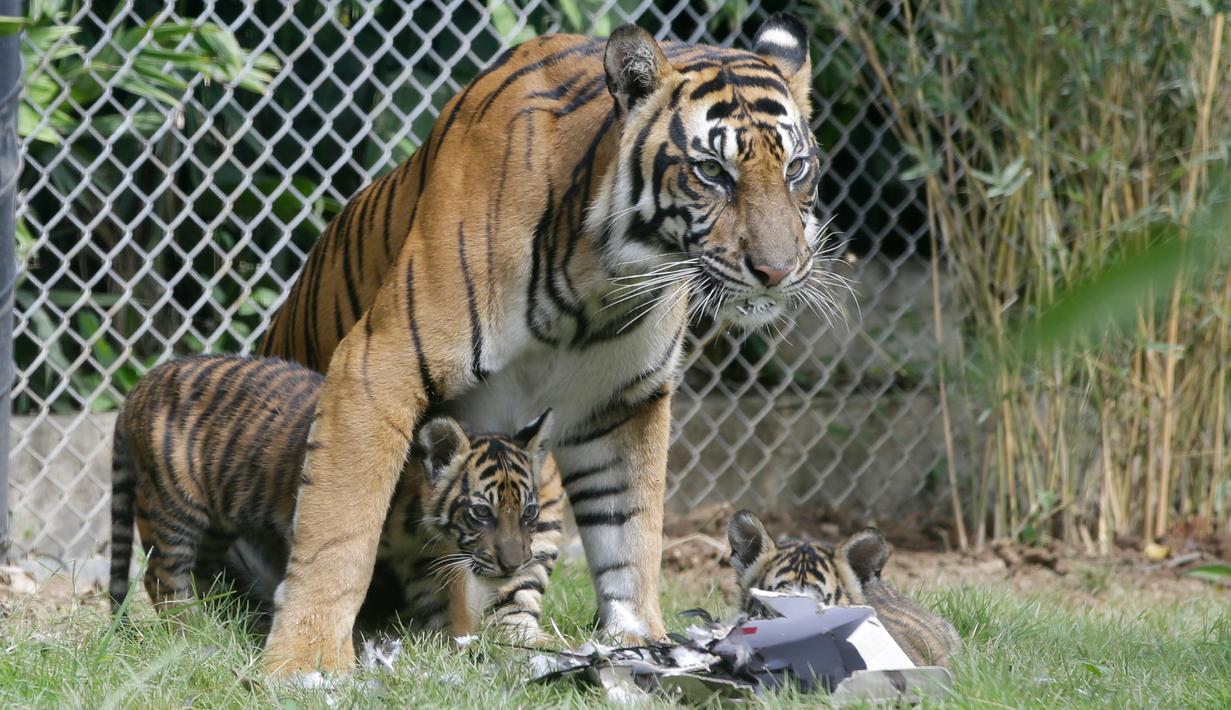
{"points": [[718, 174], [831, 576], [484, 493]]}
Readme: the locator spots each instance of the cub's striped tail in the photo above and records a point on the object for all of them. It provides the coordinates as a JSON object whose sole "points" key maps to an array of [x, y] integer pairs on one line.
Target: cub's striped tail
{"points": [[123, 494]]}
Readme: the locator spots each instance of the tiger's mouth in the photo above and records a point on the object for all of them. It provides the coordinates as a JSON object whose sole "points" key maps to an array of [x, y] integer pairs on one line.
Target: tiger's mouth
{"points": [[754, 310], [815, 288], [482, 566], [726, 297]]}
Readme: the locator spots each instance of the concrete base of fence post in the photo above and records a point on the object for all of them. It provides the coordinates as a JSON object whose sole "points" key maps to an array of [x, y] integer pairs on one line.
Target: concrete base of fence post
{"points": [[62, 483]]}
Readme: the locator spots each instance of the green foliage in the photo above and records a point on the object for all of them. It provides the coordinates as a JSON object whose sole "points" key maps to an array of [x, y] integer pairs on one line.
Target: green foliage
{"points": [[1112, 296], [64, 85], [11, 25], [83, 98]]}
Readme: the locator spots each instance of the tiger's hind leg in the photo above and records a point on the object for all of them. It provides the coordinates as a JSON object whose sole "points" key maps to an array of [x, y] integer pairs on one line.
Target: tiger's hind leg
{"points": [[208, 572], [173, 549]]}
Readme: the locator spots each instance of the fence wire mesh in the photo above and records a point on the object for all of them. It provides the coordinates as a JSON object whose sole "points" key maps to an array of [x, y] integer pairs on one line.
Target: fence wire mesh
{"points": [[181, 158]]}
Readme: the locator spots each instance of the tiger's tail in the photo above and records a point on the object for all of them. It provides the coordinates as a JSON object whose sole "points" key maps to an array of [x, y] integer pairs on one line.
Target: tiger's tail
{"points": [[123, 501]]}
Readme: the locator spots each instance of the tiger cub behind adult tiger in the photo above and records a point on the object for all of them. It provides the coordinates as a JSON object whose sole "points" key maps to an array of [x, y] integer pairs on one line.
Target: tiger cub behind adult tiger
{"points": [[209, 450], [849, 574]]}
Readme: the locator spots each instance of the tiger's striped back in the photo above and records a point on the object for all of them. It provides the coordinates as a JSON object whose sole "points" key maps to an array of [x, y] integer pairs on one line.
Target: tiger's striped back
{"points": [[847, 575], [209, 451]]}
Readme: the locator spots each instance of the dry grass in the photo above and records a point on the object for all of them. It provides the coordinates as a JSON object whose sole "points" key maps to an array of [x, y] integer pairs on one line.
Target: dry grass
{"points": [[1055, 141]]}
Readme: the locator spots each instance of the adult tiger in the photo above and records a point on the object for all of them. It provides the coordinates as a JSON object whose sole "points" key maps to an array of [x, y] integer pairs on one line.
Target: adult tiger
{"points": [[542, 249]]}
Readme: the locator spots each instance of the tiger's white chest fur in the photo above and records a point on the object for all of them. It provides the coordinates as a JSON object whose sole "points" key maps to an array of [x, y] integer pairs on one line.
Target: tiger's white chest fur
{"points": [[574, 383]]}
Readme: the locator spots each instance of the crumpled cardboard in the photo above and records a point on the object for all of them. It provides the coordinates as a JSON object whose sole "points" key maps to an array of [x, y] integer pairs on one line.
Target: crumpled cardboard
{"points": [[843, 651]]}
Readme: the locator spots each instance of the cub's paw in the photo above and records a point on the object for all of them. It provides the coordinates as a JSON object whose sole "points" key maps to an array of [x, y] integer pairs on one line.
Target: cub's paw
{"points": [[524, 634]]}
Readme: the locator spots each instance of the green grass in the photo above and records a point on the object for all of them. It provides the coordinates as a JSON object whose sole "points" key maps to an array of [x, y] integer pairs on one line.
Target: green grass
{"points": [[1034, 651]]}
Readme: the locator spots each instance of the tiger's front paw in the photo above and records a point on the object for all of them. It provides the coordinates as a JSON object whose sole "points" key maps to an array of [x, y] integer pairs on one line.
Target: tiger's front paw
{"points": [[306, 665], [303, 648], [520, 632], [629, 628]]}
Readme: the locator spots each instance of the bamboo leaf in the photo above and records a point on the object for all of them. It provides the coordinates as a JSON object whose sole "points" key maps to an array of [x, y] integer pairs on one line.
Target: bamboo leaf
{"points": [[572, 13], [1211, 572], [10, 25], [28, 125]]}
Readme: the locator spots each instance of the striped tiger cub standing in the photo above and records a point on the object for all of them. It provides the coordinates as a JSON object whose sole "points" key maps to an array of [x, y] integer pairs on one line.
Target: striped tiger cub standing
{"points": [[208, 452], [847, 575]]}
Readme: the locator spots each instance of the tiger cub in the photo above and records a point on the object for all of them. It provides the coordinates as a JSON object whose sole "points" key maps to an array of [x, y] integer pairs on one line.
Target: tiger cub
{"points": [[844, 576], [208, 452]]}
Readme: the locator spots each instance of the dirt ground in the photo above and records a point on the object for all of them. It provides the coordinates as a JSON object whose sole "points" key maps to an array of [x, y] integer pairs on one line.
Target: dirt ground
{"points": [[695, 555]]}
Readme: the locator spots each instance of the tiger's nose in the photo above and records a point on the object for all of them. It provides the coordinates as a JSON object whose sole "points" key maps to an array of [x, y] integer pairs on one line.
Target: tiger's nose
{"points": [[767, 274]]}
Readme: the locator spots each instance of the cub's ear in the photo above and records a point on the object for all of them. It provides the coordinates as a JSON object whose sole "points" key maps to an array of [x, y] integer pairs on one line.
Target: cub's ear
{"points": [[748, 539], [535, 437], [862, 556], [443, 443], [783, 40], [635, 66]]}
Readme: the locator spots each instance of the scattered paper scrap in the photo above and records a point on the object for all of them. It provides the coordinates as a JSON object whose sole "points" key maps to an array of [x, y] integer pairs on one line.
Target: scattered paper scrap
{"points": [[844, 651]]}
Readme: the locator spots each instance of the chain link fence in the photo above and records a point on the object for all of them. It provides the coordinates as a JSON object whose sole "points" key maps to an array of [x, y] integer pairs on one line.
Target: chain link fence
{"points": [[181, 158]]}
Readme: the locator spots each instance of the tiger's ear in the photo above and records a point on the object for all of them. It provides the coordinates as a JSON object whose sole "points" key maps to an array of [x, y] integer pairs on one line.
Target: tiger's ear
{"points": [[443, 443], [635, 66], [535, 437], [783, 40], [861, 557], [749, 540]]}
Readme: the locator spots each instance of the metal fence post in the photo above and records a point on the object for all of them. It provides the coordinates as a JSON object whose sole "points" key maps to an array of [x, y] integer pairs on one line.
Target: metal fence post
{"points": [[10, 88]]}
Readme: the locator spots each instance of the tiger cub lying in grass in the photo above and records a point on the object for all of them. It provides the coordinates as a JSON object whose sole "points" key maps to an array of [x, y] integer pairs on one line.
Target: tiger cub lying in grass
{"points": [[207, 456], [844, 576]]}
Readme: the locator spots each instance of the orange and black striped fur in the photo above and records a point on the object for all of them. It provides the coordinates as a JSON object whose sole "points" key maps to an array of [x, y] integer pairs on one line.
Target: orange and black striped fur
{"points": [[208, 453], [847, 575], [487, 532], [544, 248]]}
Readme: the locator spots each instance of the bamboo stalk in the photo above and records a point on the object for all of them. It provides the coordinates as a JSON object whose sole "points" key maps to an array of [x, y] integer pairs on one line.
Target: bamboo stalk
{"points": [[1115, 148]]}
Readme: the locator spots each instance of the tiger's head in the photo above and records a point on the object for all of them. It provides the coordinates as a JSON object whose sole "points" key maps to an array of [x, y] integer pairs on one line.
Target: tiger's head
{"points": [[484, 492], [717, 173], [832, 576]]}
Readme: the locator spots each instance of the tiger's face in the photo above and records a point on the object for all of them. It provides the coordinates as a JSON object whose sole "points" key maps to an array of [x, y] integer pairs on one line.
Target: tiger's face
{"points": [[718, 171], [832, 576], [484, 492]]}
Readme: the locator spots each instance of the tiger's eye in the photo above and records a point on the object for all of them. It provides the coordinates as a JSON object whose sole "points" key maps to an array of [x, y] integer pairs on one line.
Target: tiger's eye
{"points": [[481, 512], [795, 168], [530, 513], [710, 168]]}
